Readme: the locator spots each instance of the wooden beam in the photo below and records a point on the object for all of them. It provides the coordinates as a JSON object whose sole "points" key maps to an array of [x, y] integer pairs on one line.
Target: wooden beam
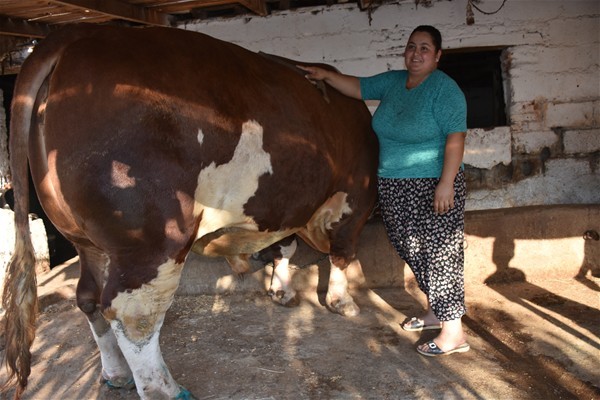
{"points": [[256, 6], [19, 27], [120, 10], [364, 4]]}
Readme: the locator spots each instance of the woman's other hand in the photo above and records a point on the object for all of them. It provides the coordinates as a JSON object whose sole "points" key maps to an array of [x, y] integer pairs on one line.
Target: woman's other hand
{"points": [[443, 199]]}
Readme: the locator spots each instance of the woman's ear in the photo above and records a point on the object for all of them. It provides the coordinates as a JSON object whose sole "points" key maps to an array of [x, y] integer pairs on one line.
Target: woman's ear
{"points": [[438, 56]]}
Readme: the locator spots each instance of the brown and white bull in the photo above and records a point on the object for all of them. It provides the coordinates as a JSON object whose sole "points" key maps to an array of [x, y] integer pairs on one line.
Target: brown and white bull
{"points": [[146, 144]]}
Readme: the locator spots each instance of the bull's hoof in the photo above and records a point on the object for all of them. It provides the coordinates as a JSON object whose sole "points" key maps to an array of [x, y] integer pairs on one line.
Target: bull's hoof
{"points": [[286, 299], [347, 308], [185, 394], [119, 383]]}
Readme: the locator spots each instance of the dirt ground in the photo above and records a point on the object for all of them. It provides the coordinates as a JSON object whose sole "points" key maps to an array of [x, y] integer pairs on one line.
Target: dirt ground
{"points": [[529, 340]]}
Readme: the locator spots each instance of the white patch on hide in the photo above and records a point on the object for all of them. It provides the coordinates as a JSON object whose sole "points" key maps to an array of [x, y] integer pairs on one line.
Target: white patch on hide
{"points": [[316, 231], [142, 310], [288, 251], [200, 136], [338, 207], [119, 175], [223, 190]]}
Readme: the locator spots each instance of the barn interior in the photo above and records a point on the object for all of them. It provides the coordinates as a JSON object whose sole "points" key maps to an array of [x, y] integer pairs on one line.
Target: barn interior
{"points": [[532, 254]]}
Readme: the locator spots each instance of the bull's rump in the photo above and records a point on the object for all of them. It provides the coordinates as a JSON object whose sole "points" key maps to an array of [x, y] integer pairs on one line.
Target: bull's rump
{"points": [[134, 116]]}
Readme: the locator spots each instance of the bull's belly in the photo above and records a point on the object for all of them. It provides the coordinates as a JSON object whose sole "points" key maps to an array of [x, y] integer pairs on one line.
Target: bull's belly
{"points": [[233, 241]]}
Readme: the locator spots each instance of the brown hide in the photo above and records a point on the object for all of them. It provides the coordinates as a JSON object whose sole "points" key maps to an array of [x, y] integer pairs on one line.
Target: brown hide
{"points": [[137, 98]]}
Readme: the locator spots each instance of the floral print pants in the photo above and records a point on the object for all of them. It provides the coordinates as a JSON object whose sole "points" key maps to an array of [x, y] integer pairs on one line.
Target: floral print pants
{"points": [[431, 244]]}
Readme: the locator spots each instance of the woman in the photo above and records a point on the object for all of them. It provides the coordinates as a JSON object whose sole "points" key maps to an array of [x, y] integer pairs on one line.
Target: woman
{"points": [[421, 123]]}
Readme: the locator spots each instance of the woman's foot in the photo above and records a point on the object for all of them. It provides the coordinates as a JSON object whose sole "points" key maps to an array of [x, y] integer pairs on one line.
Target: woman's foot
{"points": [[416, 324], [424, 322], [451, 339], [430, 349]]}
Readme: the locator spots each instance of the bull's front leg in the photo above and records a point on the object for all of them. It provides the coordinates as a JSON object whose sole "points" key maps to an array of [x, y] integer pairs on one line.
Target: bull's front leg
{"points": [[281, 290], [338, 299], [136, 317]]}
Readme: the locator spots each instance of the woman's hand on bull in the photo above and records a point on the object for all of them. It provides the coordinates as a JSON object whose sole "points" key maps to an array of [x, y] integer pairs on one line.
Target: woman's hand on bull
{"points": [[314, 73]]}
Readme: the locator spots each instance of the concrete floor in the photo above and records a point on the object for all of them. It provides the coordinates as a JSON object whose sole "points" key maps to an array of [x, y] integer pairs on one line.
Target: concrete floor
{"points": [[529, 340]]}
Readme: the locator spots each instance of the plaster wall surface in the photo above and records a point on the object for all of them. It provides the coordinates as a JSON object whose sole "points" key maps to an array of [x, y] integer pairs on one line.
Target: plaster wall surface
{"points": [[551, 67]]}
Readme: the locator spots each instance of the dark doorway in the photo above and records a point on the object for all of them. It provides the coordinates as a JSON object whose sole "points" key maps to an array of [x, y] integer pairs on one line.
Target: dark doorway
{"points": [[478, 72], [59, 247]]}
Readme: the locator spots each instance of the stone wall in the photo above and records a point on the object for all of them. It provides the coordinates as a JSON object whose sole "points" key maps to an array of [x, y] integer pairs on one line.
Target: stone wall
{"points": [[501, 246], [549, 152]]}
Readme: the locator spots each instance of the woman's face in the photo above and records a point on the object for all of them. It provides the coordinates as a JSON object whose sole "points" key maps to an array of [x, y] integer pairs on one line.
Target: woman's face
{"points": [[420, 55]]}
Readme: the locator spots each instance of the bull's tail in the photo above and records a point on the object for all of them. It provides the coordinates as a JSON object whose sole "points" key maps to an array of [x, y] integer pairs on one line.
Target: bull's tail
{"points": [[19, 299], [20, 302]]}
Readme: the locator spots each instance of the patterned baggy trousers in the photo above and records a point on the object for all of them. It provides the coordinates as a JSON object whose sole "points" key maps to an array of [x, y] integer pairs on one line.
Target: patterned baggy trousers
{"points": [[430, 243]]}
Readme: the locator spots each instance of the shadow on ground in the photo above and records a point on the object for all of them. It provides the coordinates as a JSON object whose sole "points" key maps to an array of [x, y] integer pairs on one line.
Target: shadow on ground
{"points": [[530, 340]]}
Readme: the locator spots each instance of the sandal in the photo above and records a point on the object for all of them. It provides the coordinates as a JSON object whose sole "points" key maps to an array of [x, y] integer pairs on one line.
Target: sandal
{"points": [[416, 325], [432, 349]]}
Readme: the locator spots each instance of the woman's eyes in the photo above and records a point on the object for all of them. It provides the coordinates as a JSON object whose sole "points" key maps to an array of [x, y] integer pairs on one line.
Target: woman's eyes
{"points": [[413, 47]]}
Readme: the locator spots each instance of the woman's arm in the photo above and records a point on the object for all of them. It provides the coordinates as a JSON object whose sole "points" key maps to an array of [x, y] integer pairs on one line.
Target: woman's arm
{"points": [[453, 155], [345, 84]]}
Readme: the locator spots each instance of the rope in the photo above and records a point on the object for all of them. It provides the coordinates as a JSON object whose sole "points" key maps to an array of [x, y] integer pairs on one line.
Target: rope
{"points": [[294, 267], [309, 263]]}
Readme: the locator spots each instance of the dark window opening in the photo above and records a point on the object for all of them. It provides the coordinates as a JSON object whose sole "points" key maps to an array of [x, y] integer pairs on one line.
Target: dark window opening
{"points": [[479, 74]]}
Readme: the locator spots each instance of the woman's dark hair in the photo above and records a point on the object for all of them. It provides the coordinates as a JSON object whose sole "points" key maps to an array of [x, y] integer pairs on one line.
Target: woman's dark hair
{"points": [[433, 32]]}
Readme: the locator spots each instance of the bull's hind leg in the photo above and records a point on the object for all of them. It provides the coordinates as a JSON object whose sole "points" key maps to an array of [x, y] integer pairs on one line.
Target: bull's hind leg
{"points": [[137, 314], [115, 370]]}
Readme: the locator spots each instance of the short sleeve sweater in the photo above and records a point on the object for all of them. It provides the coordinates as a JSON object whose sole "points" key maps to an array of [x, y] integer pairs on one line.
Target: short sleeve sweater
{"points": [[412, 124]]}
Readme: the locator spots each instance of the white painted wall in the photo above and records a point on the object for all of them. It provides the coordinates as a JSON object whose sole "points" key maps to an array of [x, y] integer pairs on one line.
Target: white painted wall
{"points": [[552, 82]]}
